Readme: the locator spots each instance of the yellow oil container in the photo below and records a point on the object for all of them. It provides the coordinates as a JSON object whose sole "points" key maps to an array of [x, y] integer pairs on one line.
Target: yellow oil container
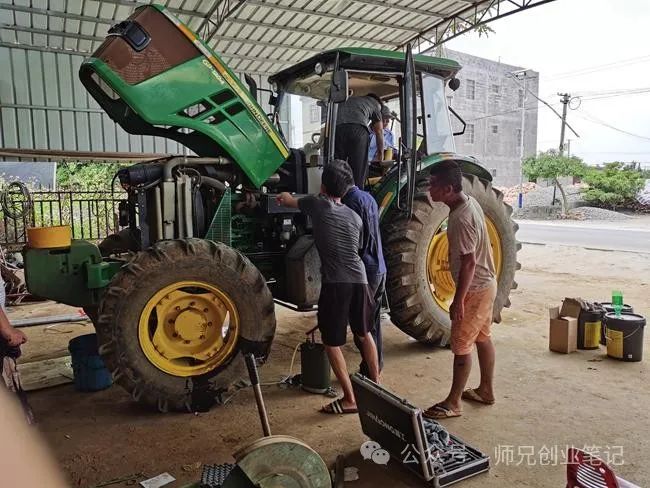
{"points": [[49, 237]]}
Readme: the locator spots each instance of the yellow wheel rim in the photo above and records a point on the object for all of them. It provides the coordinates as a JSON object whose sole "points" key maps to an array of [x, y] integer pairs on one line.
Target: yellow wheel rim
{"points": [[188, 328], [441, 282]]}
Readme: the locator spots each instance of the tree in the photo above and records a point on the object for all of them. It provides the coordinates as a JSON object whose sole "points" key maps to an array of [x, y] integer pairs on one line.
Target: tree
{"points": [[86, 176], [551, 165], [613, 185]]}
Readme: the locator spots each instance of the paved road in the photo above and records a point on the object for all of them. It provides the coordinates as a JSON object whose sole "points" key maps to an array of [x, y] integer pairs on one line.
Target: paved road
{"points": [[606, 236]]}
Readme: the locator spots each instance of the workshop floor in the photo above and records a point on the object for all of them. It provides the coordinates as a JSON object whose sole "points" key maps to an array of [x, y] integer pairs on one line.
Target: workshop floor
{"points": [[545, 401]]}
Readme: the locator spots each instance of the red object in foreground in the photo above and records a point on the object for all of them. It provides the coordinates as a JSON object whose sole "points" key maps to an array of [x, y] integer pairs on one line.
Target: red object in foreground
{"points": [[587, 471]]}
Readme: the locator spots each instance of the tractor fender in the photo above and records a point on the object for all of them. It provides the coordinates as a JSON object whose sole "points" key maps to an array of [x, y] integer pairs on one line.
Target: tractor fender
{"points": [[386, 191]]}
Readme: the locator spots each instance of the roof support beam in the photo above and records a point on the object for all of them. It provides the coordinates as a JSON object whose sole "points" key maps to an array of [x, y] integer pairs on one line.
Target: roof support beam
{"points": [[100, 39], [300, 30], [44, 49], [46, 32], [410, 10], [214, 18], [86, 18], [469, 18], [134, 4], [56, 13], [327, 15]]}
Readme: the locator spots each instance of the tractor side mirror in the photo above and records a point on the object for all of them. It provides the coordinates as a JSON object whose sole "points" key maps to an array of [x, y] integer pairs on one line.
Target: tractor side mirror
{"points": [[454, 84], [339, 86]]}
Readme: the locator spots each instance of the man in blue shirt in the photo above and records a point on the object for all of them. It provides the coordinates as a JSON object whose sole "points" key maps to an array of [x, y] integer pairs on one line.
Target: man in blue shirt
{"points": [[365, 206], [345, 297], [389, 138]]}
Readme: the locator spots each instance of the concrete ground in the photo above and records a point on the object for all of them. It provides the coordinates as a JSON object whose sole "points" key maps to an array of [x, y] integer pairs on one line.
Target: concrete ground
{"points": [[545, 401]]}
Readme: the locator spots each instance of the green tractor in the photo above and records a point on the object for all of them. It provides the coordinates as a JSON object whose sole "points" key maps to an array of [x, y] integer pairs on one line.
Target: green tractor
{"points": [[189, 285]]}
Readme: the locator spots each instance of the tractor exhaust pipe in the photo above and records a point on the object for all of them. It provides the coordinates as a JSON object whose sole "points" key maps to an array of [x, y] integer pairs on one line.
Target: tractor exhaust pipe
{"points": [[179, 161]]}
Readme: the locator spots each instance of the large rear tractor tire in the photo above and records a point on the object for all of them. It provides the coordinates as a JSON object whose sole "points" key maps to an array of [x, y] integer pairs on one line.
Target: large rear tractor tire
{"points": [[175, 322], [420, 286]]}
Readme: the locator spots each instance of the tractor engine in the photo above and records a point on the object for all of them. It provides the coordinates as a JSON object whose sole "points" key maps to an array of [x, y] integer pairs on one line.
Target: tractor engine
{"points": [[208, 198]]}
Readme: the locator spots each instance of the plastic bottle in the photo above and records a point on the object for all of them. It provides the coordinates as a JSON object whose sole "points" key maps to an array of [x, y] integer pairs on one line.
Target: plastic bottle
{"points": [[617, 302]]}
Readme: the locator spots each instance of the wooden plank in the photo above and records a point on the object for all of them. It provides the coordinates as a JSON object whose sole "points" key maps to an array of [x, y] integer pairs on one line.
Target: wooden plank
{"points": [[46, 373]]}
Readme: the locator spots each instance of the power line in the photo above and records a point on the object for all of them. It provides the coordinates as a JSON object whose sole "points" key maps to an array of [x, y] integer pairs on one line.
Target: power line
{"points": [[593, 69], [614, 95], [596, 120], [496, 114]]}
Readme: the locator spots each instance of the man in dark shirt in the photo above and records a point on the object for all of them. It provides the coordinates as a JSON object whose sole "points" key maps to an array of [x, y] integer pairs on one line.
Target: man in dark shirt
{"points": [[344, 296], [371, 252], [351, 140]]}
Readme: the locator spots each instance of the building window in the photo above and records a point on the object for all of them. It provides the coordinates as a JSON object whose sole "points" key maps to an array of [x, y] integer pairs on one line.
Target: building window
{"points": [[470, 90], [520, 102], [469, 134], [495, 129], [314, 115], [495, 89]]}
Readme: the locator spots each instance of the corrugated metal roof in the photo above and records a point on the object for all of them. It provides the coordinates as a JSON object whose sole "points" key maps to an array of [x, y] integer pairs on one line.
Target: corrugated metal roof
{"points": [[258, 36]]}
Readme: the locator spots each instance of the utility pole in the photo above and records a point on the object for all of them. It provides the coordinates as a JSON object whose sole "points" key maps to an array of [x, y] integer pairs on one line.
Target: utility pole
{"points": [[520, 199], [517, 76], [565, 103]]}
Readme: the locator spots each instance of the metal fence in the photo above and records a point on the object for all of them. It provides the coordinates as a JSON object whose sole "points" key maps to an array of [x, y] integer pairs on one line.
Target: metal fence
{"points": [[92, 215]]}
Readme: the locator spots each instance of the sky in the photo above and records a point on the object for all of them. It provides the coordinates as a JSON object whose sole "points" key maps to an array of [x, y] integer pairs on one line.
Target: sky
{"points": [[589, 49]]}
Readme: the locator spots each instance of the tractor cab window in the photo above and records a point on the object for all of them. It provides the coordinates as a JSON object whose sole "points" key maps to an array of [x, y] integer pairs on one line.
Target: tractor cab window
{"points": [[302, 109], [299, 119], [439, 136]]}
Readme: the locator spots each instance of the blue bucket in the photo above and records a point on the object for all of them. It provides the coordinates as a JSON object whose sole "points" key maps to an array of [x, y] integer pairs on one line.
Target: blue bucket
{"points": [[90, 373]]}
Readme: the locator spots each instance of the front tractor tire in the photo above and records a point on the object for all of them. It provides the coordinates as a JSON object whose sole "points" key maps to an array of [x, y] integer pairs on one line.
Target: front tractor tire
{"points": [[420, 287], [176, 320]]}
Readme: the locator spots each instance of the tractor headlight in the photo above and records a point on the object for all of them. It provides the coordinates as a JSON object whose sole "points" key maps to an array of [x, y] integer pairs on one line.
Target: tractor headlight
{"points": [[319, 69]]}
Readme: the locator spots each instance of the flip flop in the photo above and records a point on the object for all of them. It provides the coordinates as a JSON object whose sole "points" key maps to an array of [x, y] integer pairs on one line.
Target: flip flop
{"points": [[440, 411], [337, 408], [472, 395]]}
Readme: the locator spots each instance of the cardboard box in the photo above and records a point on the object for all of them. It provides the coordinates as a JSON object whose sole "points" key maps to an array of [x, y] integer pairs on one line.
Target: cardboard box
{"points": [[571, 307], [563, 333]]}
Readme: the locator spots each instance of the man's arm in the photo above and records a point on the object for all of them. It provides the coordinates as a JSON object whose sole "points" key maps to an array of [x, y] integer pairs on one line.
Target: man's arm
{"points": [[14, 337], [378, 129], [286, 199], [465, 277]]}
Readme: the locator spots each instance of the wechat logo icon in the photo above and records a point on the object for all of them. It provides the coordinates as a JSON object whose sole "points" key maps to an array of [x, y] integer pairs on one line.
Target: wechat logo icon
{"points": [[373, 451]]}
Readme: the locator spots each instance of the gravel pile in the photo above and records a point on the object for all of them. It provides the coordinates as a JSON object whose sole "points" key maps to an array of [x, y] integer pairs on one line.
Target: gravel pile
{"points": [[538, 204], [593, 213], [578, 213], [537, 213], [543, 195], [511, 194]]}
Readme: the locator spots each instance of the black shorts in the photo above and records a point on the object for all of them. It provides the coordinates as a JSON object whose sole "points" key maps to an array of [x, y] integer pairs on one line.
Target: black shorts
{"points": [[340, 304]]}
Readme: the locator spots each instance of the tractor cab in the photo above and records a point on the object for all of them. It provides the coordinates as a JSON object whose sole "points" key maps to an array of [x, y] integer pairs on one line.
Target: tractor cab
{"points": [[417, 99]]}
